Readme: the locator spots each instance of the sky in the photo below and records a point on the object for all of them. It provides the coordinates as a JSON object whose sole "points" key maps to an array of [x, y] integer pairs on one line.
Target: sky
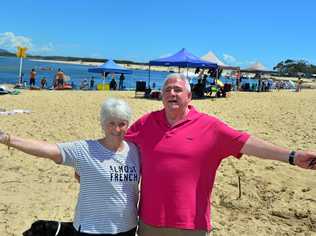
{"points": [[240, 32]]}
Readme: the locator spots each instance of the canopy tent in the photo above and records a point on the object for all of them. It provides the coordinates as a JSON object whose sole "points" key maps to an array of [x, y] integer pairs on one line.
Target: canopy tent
{"points": [[211, 57], [257, 67], [111, 67], [184, 59]]}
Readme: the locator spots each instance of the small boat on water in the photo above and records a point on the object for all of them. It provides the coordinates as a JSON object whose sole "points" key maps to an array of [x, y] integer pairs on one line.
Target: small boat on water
{"points": [[45, 68]]}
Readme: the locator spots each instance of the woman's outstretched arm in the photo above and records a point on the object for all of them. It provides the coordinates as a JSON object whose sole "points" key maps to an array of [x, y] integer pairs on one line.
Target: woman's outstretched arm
{"points": [[32, 147]]}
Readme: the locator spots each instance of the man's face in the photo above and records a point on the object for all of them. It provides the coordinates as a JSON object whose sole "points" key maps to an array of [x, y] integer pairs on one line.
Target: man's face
{"points": [[175, 96]]}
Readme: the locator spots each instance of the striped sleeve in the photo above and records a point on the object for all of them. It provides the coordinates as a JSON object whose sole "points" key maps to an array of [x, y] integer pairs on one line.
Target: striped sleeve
{"points": [[70, 154]]}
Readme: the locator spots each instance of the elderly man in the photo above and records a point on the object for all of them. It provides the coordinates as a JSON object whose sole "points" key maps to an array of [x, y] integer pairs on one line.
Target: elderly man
{"points": [[181, 150]]}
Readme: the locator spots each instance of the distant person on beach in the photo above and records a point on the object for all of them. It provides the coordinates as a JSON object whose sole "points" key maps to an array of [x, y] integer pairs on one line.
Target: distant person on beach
{"points": [[108, 168], [92, 83], [32, 78], [113, 84], [259, 84], [22, 79], [43, 82], [84, 85], [299, 84], [21, 83], [60, 78], [280, 85], [121, 82], [181, 150]]}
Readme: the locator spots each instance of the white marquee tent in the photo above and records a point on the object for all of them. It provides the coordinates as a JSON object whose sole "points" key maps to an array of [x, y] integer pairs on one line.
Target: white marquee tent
{"points": [[211, 57]]}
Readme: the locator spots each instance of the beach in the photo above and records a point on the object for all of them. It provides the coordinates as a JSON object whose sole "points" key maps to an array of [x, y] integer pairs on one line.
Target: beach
{"points": [[276, 198], [308, 83]]}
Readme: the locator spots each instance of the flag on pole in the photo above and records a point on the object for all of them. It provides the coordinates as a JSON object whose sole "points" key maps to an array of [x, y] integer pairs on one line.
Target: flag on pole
{"points": [[21, 52]]}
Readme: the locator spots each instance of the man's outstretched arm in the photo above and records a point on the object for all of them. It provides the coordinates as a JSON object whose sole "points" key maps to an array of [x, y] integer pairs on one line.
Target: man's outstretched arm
{"points": [[262, 149]]}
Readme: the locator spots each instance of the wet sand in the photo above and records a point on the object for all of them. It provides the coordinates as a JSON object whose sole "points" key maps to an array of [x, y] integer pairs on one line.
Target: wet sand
{"points": [[277, 199]]}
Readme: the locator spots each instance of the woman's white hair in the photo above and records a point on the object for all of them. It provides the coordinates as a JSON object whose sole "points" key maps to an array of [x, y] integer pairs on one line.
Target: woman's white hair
{"points": [[180, 77], [113, 108]]}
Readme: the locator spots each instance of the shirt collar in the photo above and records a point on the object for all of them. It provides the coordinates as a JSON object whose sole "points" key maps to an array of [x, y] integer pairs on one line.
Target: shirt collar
{"points": [[192, 114]]}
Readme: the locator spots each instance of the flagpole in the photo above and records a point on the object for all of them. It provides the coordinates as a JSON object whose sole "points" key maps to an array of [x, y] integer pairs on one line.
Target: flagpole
{"points": [[20, 71], [21, 53]]}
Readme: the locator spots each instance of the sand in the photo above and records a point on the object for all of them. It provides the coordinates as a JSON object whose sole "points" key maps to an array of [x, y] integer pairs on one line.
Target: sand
{"points": [[277, 199]]}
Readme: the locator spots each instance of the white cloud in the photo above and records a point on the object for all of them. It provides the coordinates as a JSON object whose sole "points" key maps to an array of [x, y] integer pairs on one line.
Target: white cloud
{"points": [[229, 59], [44, 49], [10, 41], [233, 61], [249, 62]]}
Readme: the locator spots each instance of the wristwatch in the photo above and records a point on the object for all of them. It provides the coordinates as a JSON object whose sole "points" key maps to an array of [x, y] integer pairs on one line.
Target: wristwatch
{"points": [[292, 157]]}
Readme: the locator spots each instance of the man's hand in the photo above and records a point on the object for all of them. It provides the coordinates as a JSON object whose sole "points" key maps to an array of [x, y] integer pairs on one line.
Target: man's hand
{"points": [[306, 160]]}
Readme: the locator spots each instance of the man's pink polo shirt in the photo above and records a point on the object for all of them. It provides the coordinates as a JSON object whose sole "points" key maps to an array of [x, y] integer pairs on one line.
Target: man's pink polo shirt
{"points": [[178, 166]]}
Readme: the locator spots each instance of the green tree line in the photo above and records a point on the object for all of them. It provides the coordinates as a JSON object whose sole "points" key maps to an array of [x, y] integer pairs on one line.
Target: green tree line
{"points": [[6, 53], [295, 68]]}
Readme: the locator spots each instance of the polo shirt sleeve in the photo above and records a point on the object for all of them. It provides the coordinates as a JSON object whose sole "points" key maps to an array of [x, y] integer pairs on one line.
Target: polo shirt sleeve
{"points": [[133, 134], [230, 141]]}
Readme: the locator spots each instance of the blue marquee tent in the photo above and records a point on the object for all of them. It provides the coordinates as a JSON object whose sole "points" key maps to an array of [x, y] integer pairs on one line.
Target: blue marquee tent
{"points": [[111, 67], [183, 58]]}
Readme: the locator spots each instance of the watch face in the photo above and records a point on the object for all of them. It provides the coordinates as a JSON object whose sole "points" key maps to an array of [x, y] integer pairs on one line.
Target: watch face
{"points": [[291, 157]]}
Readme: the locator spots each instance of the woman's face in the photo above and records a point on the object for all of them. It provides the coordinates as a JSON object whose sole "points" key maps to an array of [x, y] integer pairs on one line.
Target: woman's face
{"points": [[116, 128]]}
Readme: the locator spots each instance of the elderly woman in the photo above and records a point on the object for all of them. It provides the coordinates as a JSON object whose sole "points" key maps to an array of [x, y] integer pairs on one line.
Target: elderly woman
{"points": [[108, 170]]}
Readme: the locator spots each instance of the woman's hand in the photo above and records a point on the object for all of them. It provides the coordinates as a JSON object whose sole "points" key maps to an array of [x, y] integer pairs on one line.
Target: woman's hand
{"points": [[77, 177], [3, 137], [32, 147]]}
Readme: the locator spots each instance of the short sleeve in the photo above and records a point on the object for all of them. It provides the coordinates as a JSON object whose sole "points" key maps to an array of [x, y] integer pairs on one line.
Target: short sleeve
{"points": [[134, 131], [134, 152], [230, 141], [70, 153]]}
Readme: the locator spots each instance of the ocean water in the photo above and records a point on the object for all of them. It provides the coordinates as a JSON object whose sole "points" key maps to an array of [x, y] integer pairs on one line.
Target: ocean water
{"points": [[9, 69]]}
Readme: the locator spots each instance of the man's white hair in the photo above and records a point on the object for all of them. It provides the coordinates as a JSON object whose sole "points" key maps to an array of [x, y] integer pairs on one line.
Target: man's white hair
{"points": [[180, 77], [113, 108]]}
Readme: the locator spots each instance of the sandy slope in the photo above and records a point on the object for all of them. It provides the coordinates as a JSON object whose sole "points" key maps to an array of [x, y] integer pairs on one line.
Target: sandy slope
{"points": [[277, 199]]}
